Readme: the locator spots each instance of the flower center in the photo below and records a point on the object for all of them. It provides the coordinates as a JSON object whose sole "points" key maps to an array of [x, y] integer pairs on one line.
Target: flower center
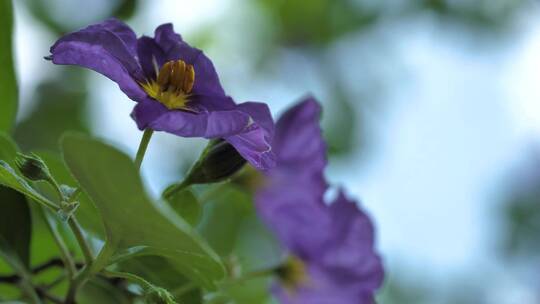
{"points": [[292, 273], [173, 85]]}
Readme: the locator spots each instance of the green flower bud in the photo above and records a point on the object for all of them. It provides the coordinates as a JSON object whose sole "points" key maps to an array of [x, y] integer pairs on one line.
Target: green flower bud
{"points": [[33, 167], [219, 162]]}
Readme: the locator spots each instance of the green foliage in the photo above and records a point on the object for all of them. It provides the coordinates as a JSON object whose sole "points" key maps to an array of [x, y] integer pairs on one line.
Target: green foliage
{"points": [[100, 291], [87, 212], [160, 272], [134, 224], [15, 218], [8, 81], [224, 210], [15, 224], [187, 206], [315, 22], [59, 107]]}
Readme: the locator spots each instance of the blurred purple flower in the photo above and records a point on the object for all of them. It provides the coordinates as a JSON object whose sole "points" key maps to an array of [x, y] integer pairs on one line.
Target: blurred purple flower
{"points": [[331, 247], [176, 87]]}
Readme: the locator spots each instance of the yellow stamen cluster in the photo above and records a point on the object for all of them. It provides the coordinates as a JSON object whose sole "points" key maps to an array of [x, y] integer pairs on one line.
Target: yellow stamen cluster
{"points": [[292, 273], [173, 85]]}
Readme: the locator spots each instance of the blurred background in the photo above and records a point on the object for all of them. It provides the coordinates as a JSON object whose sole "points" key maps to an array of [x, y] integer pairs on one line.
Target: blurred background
{"points": [[431, 111]]}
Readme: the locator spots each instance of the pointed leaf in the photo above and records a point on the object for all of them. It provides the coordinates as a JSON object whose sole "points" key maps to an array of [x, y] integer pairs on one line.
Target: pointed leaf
{"points": [[133, 222]]}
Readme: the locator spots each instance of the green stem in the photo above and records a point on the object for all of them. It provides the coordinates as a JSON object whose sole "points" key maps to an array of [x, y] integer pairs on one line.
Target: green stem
{"points": [[75, 284], [143, 145], [81, 240], [67, 259], [169, 193], [128, 276], [82, 277]]}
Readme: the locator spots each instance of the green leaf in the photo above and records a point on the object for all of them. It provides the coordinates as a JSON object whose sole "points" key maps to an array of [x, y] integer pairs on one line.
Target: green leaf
{"points": [[100, 291], [15, 224], [187, 206], [224, 210], [15, 219], [134, 224], [8, 82]]}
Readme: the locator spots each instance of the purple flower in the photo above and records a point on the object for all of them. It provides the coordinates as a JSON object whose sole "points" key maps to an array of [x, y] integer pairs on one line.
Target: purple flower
{"points": [[176, 87], [332, 259]]}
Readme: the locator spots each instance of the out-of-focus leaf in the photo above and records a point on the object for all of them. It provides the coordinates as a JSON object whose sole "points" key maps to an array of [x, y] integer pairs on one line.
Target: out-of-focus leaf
{"points": [[15, 223], [160, 272], [339, 124], [59, 108], [482, 14], [100, 291], [134, 224], [50, 12], [223, 212], [125, 9], [187, 206], [315, 22], [8, 149], [522, 225], [15, 219], [8, 81]]}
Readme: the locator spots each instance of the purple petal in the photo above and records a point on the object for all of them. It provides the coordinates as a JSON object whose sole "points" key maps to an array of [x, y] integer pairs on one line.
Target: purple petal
{"points": [[147, 111], [321, 289], [120, 29], [298, 140], [215, 124], [103, 48], [350, 252], [150, 54], [299, 146], [174, 48], [254, 143], [289, 211]]}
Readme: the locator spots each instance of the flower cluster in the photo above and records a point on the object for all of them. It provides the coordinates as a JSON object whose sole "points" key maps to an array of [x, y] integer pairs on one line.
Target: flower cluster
{"points": [[331, 258], [329, 246]]}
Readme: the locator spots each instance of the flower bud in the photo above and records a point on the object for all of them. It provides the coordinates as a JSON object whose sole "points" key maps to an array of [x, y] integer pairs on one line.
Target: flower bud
{"points": [[219, 161], [33, 167]]}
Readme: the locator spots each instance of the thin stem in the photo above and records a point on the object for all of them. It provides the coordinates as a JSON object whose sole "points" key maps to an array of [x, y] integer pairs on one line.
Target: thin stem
{"points": [[42, 292], [98, 264], [64, 251], [75, 284], [143, 145], [128, 276], [170, 192], [81, 240]]}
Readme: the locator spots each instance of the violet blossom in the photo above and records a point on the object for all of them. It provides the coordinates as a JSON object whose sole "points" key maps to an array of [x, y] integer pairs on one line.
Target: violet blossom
{"points": [[176, 87], [330, 247]]}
